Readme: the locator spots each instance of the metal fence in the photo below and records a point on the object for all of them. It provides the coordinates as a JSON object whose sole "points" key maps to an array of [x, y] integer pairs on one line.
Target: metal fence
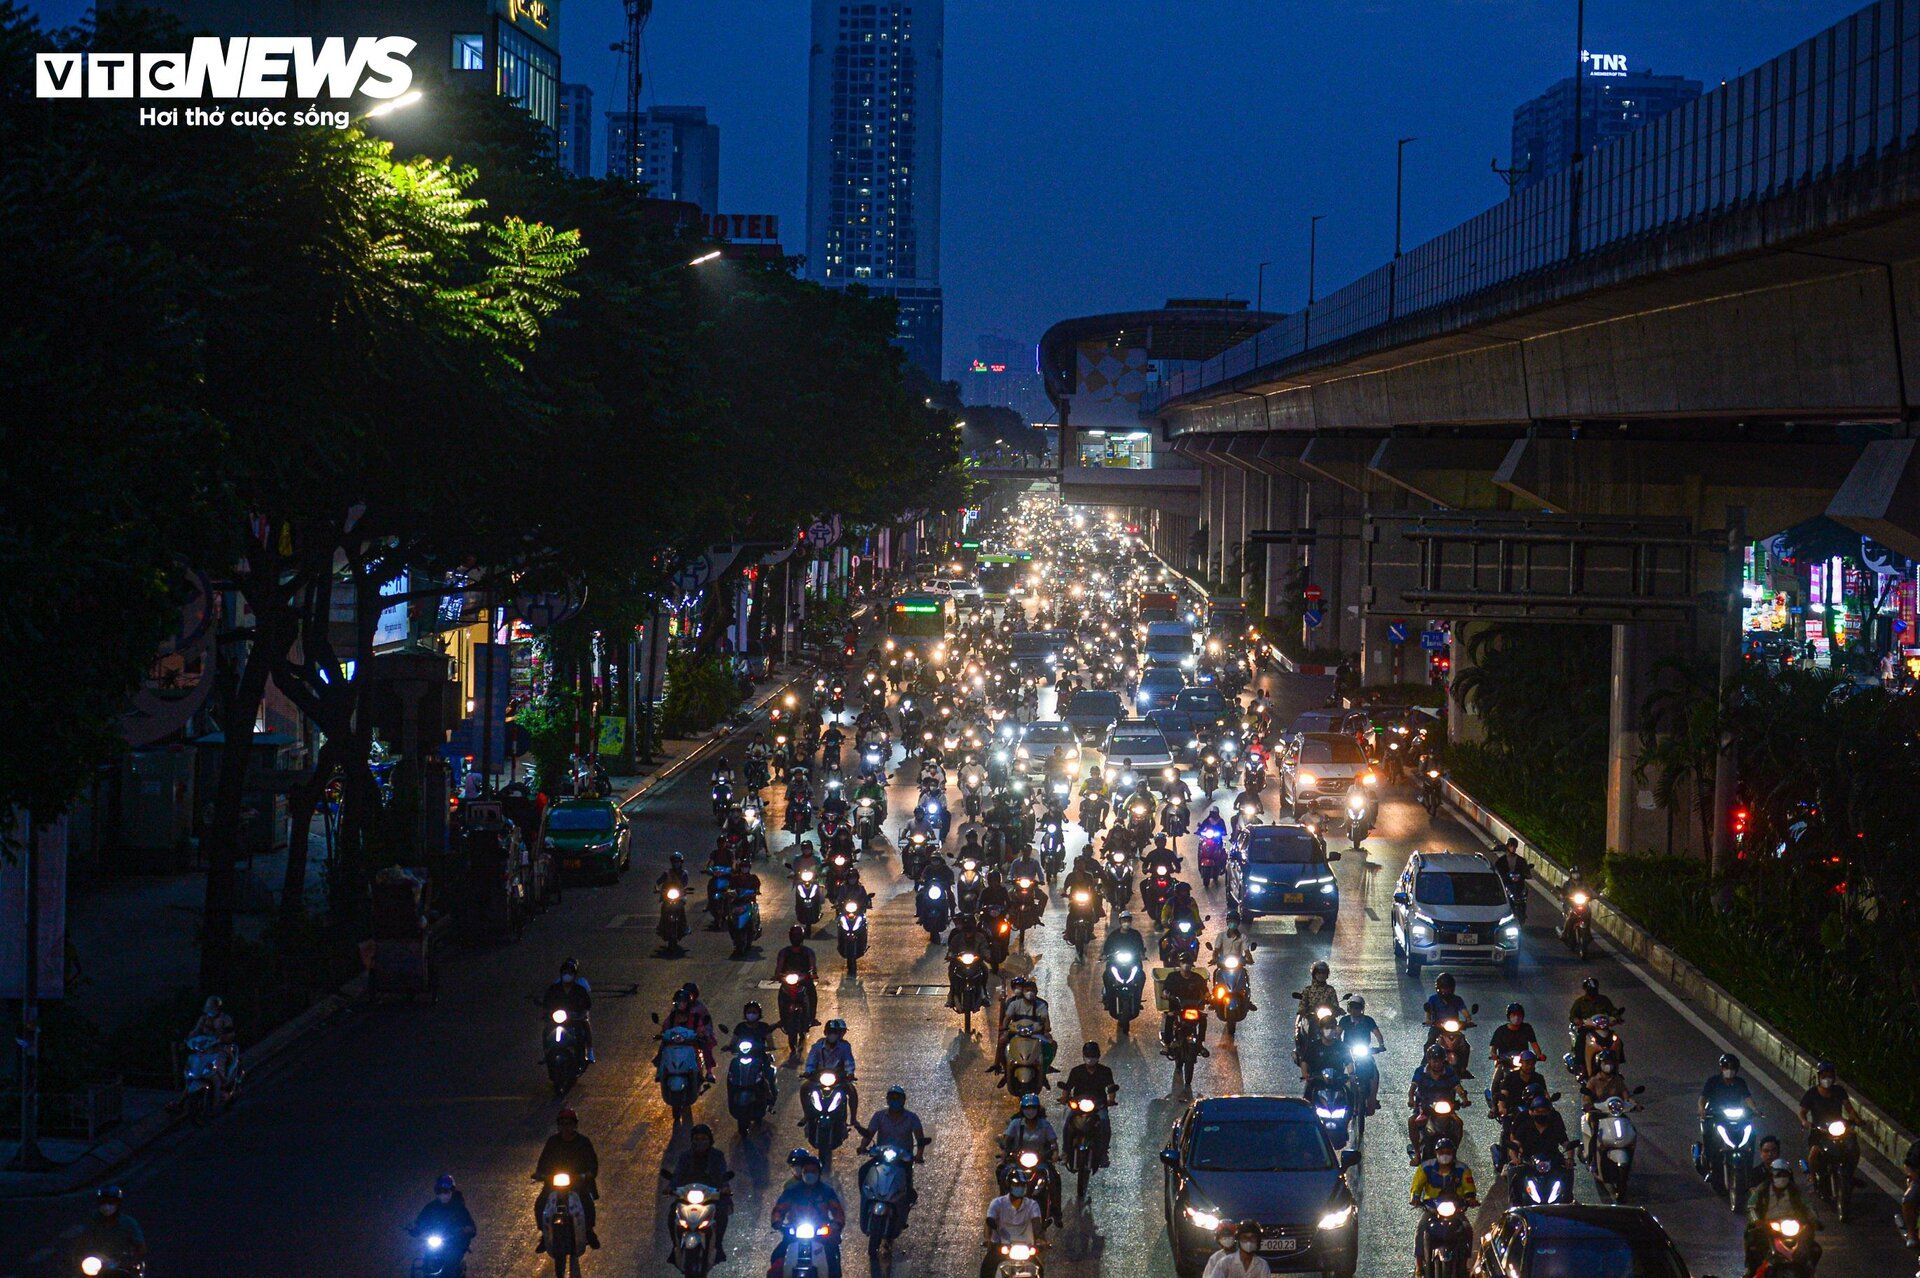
{"points": [[1846, 97]]}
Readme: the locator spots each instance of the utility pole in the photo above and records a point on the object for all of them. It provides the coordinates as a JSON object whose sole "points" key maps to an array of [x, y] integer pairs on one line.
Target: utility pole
{"points": [[1259, 306], [1510, 176], [1399, 187], [1579, 119], [1725, 766], [1313, 255], [638, 11]]}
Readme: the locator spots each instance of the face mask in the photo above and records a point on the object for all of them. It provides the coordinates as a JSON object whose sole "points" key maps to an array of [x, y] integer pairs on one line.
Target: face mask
{"points": [[107, 1209], [896, 1105], [1446, 1160], [1247, 1244], [444, 1196], [1018, 1193], [1727, 1074], [1606, 1069], [1781, 1182], [810, 1177]]}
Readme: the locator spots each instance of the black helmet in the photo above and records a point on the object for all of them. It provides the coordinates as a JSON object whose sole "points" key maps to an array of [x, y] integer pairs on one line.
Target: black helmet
{"points": [[1091, 1050], [796, 934], [1444, 1145], [571, 967], [1444, 982], [677, 859], [1590, 985], [691, 990], [1824, 1069], [1514, 1009], [1435, 1052], [802, 1157], [897, 1090], [1729, 1061], [1320, 967], [109, 1194], [1540, 1105]]}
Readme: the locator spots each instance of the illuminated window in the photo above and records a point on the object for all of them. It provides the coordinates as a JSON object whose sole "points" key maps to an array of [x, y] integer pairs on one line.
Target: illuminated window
{"points": [[469, 52]]}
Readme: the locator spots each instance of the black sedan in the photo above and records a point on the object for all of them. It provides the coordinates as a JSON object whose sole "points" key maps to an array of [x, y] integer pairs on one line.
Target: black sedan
{"points": [[1575, 1242], [1267, 1160]]}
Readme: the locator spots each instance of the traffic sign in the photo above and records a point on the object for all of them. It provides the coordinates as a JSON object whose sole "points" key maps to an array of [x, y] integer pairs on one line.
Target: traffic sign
{"points": [[1313, 617], [1396, 632], [1433, 640], [693, 576], [821, 534], [1312, 593]]}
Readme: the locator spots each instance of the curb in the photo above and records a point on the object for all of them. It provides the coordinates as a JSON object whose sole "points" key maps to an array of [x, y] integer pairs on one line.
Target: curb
{"points": [[716, 739], [1758, 1037]]}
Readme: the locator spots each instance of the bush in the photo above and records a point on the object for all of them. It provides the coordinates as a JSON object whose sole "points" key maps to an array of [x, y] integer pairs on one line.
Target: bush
{"points": [[1783, 953], [701, 691], [1565, 817], [549, 721]]}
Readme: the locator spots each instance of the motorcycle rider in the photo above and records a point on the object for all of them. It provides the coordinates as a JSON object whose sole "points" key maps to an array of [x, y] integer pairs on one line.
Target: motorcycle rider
{"points": [[830, 743], [1540, 1133], [995, 900], [1211, 826], [797, 956], [1604, 1085], [567, 1151], [110, 1233], [1724, 1088], [809, 1193], [1319, 991], [967, 937], [1514, 1037], [1011, 1218], [1777, 1197], [1122, 938], [1513, 869], [213, 1022], [701, 1164], [1825, 1102], [1443, 1004], [1091, 1078], [1027, 866], [1184, 987], [675, 875], [1590, 1004], [1160, 858], [1084, 876], [1225, 1235], [1180, 907], [1519, 1086], [1357, 1027], [898, 1126], [1022, 1004], [1438, 1177], [833, 1052], [1326, 1050], [684, 1014], [571, 993], [1235, 944], [1031, 1129], [1435, 1080], [446, 1215]]}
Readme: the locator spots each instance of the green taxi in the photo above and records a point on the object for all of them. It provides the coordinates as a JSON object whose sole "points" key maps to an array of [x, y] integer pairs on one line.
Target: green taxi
{"points": [[590, 838]]}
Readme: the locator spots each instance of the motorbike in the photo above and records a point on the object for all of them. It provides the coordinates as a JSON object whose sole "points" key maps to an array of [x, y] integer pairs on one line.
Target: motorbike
{"points": [[1451, 1033], [808, 1245], [884, 1187], [1213, 858], [1031, 1169], [933, 814], [1083, 1142], [1209, 772], [561, 1052], [1018, 1260], [437, 1260], [750, 1083], [1083, 907], [565, 1242], [1122, 987], [1366, 1083], [796, 1008], [1181, 941], [722, 799], [1576, 930], [1430, 791], [1789, 1249], [673, 916], [1119, 870], [850, 933], [1174, 818], [967, 883], [873, 758], [1053, 847], [1027, 904], [680, 1067], [1154, 889], [1612, 1140], [823, 1107], [1230, 992], [1540, 1182], [1093, 813], [968, 976], [866, 822], [799, 815], [808, 898], [1833, 1162], [933, 908], [1332, 1101], [1140, 820], [743, 920], [1189, 1024], [1438, 1117], [754, 769], [1590, 1038], [690, 1230], [1729, 1153], [213, 1079], [756, 823], [719, 889], [914, 846], [1446, 1238], [1359, 820]]}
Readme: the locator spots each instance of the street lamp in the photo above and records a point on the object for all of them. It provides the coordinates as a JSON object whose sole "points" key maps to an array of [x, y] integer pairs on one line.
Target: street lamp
{"points": [[406, 99], [704, 258], [1399, 186], [1313, 256]]}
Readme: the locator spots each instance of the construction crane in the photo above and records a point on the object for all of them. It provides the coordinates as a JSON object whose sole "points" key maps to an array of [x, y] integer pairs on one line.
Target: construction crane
{"points": [[638, 11]]}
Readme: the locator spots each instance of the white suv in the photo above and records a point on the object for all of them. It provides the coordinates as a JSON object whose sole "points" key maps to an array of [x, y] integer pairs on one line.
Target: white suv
{"points": [[1452, 907]]}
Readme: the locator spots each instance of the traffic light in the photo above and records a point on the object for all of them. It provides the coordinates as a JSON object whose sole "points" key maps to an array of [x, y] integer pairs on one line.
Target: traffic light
{"points": [[1739, 821]]}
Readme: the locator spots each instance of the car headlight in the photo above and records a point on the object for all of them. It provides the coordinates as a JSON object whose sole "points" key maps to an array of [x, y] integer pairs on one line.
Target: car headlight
{"points": [[1204, 1219], [1308, 779]]}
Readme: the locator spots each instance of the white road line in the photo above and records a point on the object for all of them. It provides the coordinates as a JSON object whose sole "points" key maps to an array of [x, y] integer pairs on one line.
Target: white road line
{"points": [[1714, 1036]]}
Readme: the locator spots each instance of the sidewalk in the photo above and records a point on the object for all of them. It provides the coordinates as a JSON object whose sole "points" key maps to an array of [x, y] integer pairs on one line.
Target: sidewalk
{"points": [[136, 939]]}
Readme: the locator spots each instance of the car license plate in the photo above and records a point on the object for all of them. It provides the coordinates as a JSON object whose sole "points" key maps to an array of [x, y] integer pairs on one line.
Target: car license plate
{"points": [[1469, 938], [1277, 1242], [1293, 898], [572, 863]]}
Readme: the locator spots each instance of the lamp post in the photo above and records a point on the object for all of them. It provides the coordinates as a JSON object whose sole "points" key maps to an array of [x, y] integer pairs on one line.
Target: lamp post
{"points": [[1259, 305], [1313, 255], [1577, 164], [1399, 189]]}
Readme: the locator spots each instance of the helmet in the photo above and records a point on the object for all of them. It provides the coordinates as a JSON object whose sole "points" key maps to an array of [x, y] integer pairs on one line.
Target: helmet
{"points": [[443, 1184], [109, 1194], [691, 990], [1781, 1167], [1590, 986], [1247, 1229], [1030, 1101], [1091, 1050], [566, 1116], [1444, 1145], [752, 1008], [1514, 1009], [677, 859], [836, 1026], [802, 1157], [796, 934], [1539, 1105], [1320, 968], [1444, 982], [1435, 1052], [699, 1130], [896, 1090], [1356, 1004], [1126, 917], [1603, 1059], [571, 967], [212, 1006], [1233, 920], [1824, 1069], [1729, 1061], [1528, 1058]]}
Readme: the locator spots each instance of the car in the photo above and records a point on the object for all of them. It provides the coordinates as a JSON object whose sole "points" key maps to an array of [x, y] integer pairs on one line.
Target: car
{"points": [[1452, 907], [1283, 870], [1317, 770], [1169, 643], [590, 838], [1565, 1240], [1206, 705], [1092, 711], [1265, 1159], [1138, 745], [1044, 739], [965, 593], [1040, 651], [1158, 688], [1345, 723], [1178, 729]]}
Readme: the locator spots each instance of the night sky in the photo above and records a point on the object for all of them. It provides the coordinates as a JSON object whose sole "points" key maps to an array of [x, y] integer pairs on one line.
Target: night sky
{"points": [[1107, 154]]}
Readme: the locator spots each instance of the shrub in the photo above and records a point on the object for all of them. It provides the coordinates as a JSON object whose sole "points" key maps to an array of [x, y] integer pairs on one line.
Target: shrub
{"points": [[701, 691]]}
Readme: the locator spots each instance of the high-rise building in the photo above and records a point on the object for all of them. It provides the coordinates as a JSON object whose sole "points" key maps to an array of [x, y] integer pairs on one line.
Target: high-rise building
{"points": [[574, 146], [873, 158], [509, 47], [1615, 101], [676, 154], [1002, 372]]}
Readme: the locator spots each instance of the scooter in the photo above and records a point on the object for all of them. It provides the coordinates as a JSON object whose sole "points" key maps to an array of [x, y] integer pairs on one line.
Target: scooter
{"points": [[1729, 1153], [824, 1114], [1122, 986], [1213, 858], [1230, 1001], [796, 1008], [850, 927], [1332, 1102], [743, 920], [1834, 1163], [561, 1052], [933, 908], [808, 899], [673, 917], [1174, 817], [1119, 871], [719, 889], [1611, 1140], [1445, 1239], [1084, 1142], [1189, 1024], [695, 1209], [1789, 1249], [679, 1072], [563, 1226], [968, 977], [751, 1089], [885, 1182], [213, 1077], [1083, 907]]}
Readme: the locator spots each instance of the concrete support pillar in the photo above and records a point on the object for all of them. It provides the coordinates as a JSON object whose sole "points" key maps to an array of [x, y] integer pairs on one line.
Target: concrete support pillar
{"points": [[1636, 824], [1462, 723], [1233, 523]]}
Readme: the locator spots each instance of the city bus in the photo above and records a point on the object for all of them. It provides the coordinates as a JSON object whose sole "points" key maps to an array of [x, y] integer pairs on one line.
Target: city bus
{"points": [[1002, 575], [918, 621]]}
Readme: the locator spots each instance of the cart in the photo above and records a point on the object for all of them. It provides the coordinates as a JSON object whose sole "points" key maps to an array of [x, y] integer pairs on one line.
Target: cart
{"points": [[399, 957]]}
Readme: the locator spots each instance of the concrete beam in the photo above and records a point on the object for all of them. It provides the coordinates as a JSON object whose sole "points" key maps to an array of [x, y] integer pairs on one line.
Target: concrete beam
{"points": [[1342, 459], [1455, 473], [1881, 496], [1780, 483]]}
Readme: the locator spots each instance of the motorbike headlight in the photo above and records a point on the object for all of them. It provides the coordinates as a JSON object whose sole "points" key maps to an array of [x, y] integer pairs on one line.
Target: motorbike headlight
{"points": [[561, 1180], [91, 1266], [1361, 1051], [1443, 1108], [793, 978], [1029, 1160], [804, 1230], [1733, 1113], [673, 894], [829, 1078], [434, 1243], [1788, 1228], [559, 1016], [1836, 1129], [968, 960], [934, 893], [1368, 778], [1019, 1251], [1579, 899], [1447, 1209]]}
